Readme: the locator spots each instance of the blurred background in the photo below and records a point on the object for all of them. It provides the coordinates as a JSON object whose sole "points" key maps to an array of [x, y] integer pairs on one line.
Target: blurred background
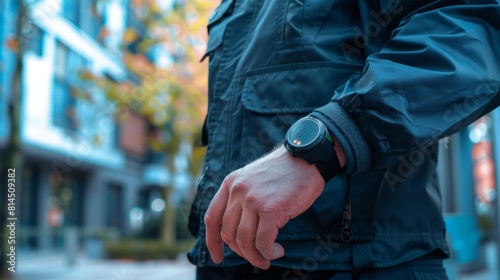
{"points": [[101, 106]]}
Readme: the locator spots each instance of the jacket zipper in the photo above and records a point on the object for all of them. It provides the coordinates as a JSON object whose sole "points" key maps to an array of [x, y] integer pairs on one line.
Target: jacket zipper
{"points": [[346, 233]]}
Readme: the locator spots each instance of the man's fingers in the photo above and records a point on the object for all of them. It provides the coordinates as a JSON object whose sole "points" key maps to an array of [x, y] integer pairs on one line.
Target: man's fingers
{"points": [[230, 223], [235, 217], [213, 222], [266, 235], [214, 242], [246, 236]]}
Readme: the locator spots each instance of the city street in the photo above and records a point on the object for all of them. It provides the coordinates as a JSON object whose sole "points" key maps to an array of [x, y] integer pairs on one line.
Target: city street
{"points": [[39, 266], [54, 267]]}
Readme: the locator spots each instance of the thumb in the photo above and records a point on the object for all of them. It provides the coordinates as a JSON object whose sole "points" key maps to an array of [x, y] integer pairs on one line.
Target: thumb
{"points": [[278, 251]]}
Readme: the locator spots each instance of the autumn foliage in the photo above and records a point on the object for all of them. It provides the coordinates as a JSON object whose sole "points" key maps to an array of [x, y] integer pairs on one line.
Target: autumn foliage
{"points": [[171, 96]]}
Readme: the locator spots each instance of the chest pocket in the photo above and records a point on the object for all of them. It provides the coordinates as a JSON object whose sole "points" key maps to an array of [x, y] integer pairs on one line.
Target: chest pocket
{"points": [[273, 98], [302, 21]]}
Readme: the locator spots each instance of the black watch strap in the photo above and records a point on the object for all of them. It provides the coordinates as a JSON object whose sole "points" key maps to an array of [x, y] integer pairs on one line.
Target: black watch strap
{"points": [[328, 169]]}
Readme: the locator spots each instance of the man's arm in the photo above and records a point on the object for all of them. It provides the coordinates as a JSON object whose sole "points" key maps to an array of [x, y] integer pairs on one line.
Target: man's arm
{"points": [[438, 73], [254, 202]]}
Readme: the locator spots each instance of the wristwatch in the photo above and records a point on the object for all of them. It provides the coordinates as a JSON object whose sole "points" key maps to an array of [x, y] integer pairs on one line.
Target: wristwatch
{"points": [[309, 139]]}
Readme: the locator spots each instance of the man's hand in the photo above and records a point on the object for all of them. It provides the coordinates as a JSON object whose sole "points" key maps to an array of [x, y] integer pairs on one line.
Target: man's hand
{"points": [[254, 202]]}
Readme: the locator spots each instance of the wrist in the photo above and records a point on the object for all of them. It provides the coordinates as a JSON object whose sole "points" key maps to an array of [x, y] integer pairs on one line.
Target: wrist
{"points": [[302, 166]]}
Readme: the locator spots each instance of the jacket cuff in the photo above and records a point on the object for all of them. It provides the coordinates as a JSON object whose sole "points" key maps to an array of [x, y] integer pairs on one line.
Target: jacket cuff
{"points": [[342, 126]]}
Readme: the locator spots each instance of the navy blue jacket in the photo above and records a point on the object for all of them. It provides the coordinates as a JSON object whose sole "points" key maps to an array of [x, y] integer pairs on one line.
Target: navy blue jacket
{"points": [[388, 79]]}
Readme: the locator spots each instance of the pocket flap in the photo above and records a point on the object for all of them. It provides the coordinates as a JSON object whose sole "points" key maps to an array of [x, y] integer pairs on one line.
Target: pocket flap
{"points": [[219, 11], [214, 41], [215, 30], [293, 88]]}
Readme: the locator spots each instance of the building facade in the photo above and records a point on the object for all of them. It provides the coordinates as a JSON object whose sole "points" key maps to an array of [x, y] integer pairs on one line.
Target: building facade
{"points": [[82, 168]]}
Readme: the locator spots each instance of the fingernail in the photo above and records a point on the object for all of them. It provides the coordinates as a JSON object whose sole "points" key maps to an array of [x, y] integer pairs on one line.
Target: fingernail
{"points": [[278, 250]]}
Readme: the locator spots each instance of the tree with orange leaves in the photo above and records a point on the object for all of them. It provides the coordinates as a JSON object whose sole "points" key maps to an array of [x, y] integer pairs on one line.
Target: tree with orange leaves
{"points": [[170, 92]]}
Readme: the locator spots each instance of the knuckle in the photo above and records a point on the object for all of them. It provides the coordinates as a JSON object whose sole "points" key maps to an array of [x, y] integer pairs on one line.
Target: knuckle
{"points": [[272, 212], [226, 237], [226, 181], [244, 233], [242, 242], [208, 220], [269, 209], [238, 188], [252, 200], [269, 212]]}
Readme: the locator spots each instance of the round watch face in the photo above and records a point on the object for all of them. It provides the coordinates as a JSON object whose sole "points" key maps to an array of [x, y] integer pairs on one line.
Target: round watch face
{"points": [[303, 133]]}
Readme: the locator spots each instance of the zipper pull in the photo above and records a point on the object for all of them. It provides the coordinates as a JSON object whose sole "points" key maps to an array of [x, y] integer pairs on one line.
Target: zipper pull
{"points": [[346, 233]]}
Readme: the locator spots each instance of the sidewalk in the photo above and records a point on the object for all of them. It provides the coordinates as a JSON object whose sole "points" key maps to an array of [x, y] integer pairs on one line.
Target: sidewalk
{"points": [[55, 267], [44, 266], [453, 273], [485, 274], [482, 275]]}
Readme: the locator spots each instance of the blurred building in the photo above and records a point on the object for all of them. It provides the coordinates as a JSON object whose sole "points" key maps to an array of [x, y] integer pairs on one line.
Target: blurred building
{"points": [[81, 168], [469, 169]]}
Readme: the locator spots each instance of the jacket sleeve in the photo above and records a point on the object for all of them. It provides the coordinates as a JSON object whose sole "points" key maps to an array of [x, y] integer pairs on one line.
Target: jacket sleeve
{"points": [[439, 72]]}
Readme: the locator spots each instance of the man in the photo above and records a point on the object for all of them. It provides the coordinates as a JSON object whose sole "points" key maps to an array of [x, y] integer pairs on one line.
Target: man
{"points": [[339, 104]]}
